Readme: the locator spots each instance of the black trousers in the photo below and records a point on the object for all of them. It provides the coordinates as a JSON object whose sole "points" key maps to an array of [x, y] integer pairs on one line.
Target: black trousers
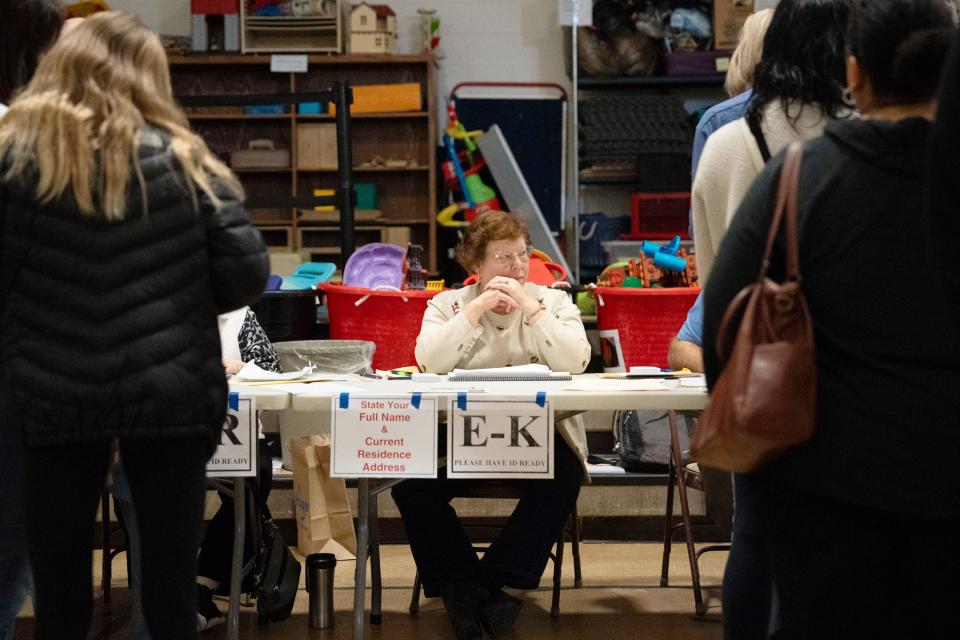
{"points": [[846, 571], [520, 553], [216, 551], [62, 488], [747, 580]]}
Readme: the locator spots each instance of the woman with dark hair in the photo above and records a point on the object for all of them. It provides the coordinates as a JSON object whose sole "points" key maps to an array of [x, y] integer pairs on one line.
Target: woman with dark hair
{"points": [[797, 88], [27, 29], [863, 514]]}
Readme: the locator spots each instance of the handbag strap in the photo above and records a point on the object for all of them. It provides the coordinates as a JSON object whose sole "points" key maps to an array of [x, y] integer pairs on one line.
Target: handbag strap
{"points": [[786, 208], [753, 122]]}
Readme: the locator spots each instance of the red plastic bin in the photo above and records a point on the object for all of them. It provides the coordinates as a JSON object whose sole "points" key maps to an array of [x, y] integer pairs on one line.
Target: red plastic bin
{"points": [[389, 319], [658, 216], [642, 322]]}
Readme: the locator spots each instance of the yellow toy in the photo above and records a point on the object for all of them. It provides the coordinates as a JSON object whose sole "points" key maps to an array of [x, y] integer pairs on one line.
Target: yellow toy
{"points": [[85, 9]]}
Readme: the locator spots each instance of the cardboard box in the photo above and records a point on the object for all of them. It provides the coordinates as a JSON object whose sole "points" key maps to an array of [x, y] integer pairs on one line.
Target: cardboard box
{"points": [[317, 147], [260, 154], [379, 98], [399, 236], [728, 19], [283, 263]]}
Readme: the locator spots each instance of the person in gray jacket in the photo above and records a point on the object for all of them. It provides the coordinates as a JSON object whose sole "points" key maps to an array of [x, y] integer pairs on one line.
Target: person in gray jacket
{"points": [[123, 238]]}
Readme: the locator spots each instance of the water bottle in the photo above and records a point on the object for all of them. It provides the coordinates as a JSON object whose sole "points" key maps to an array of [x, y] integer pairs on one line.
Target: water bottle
{"points": [[320, 567]]}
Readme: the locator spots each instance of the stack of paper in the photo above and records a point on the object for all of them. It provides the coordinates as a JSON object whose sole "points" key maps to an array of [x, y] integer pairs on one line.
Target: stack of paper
{"points": [[520, 372], [252, 375], [600, 384]]}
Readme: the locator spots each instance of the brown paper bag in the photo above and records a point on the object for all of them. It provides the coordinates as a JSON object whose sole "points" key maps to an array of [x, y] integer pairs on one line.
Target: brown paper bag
{"points": [[324, 519]]}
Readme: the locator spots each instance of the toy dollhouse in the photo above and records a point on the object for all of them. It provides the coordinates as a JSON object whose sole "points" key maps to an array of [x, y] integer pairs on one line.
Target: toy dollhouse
{"points": [[215, 25], [373, 28]]}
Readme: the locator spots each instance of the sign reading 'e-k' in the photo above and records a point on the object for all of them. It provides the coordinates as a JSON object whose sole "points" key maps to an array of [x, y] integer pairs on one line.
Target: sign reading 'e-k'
{"points": [[236, 455], [384, 437], [500, 438]]}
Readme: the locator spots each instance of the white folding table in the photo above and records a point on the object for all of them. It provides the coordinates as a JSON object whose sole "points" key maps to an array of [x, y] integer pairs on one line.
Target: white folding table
{"points": [[319, 397]]}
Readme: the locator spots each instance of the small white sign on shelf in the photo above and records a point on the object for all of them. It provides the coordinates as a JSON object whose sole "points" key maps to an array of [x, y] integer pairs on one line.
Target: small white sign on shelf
{"points": [[288, 63], [384, 436], [581, 10], [500, 438], [236, 455]]}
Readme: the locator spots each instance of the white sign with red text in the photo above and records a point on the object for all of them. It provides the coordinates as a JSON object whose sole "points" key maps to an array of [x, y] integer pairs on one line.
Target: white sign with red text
{"points": [[384, 436], [500, 438]]}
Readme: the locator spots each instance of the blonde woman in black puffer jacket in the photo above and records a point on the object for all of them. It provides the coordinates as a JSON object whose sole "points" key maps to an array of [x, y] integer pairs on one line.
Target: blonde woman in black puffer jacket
{"points": [[122, 239]]}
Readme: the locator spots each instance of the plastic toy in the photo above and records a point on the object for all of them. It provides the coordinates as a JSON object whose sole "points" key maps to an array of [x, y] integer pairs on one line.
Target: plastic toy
{"points": [[414, 275], [85, 9], [373, 28], [614, 274], [308, 275], [658, 270], [665, 256], [542, 271], [375, 266], [274, 283], [223, 16], [461, 171]]}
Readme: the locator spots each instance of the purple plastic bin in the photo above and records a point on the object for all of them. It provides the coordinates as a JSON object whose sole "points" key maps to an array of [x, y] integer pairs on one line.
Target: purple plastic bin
{"points": [[694, 63]]}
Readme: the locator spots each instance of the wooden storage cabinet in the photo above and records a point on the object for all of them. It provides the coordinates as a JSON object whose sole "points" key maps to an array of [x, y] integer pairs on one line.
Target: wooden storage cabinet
{"points": [[406, 191], [316, 146], [323, 243]]}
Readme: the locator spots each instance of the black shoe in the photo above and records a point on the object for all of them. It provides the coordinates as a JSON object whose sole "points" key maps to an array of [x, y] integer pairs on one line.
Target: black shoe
{"points": [[462, 600], [499, 612], [208, 615]]}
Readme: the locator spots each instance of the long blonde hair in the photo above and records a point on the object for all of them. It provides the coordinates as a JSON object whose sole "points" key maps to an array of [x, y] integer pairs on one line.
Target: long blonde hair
{"points": [[78, 122], [747, 55]]}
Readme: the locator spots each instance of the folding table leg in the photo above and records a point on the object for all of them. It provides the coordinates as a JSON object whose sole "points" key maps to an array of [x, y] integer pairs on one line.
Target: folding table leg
{"points": [[668, 524], [363, 548], [685, 512], [376, 595], [106, 568], [236, 564]]}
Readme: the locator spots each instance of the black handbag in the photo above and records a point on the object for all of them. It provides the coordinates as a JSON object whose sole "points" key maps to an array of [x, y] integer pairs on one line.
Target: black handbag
{"points": [[277, 575]]}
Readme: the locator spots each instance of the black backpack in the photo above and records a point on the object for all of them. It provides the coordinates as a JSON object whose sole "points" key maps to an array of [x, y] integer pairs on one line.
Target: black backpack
{"points": [[642, 438], [277, 575]]}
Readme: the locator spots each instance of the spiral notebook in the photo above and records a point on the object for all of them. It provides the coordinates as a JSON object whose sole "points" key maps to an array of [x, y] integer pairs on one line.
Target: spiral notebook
{"points": [[520, 373]]}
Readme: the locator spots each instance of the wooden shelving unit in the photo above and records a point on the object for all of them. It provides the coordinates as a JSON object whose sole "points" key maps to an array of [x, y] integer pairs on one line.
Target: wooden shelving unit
{"points": [[406, 195], [320, 32]]}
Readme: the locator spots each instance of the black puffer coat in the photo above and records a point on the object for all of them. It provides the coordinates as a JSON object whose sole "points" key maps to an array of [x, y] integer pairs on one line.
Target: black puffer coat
{"points": [[109, 329]]}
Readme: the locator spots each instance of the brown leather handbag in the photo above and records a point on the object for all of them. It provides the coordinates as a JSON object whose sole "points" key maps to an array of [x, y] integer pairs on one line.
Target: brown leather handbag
{"points": [[764, 401]]}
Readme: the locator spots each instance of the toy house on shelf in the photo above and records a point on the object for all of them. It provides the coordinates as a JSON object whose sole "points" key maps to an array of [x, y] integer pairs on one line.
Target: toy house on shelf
{"points": [[215, 25], [373, 28]]}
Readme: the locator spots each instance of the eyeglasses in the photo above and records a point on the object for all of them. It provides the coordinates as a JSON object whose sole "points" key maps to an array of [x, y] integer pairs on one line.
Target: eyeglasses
{"points": [[508, 257]]}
